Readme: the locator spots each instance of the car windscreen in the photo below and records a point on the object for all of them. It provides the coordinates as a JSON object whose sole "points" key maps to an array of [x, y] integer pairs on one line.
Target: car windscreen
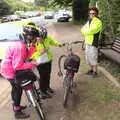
{"points": [[9, 31]]}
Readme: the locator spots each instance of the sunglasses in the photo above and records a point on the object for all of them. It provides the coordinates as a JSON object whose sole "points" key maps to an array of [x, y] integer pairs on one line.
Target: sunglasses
{"points": [[92, 13]]}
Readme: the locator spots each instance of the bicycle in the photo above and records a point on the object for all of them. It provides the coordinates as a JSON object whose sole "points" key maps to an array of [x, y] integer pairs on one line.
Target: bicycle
{"points": [[71, 66], [33, 94]]}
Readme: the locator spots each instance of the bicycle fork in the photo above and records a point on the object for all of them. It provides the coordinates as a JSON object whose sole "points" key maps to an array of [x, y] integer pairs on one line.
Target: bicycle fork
{"points": [[29, 94]]}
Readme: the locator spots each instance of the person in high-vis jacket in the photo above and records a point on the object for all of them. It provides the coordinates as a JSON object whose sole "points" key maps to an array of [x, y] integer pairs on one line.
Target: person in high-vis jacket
{"points": [[91, 31], [43, 54]]}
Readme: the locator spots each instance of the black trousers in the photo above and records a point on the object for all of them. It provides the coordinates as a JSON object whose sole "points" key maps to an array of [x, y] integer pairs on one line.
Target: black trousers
{"points": [[44, 71], [16, 93]]}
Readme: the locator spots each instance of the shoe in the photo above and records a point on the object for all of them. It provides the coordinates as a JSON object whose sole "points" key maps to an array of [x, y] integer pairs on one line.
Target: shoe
{"points": [[48, 94], [20, 115], [20, 107], [44, 95], [50, 90], [23, 107], [94, 75], [89, 72]]}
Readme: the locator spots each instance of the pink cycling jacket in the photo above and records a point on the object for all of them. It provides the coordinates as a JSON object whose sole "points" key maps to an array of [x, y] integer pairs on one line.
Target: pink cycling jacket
{"points": [[14, 60]]}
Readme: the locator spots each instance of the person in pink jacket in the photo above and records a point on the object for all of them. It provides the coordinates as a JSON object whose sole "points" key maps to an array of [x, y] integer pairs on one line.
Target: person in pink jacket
{"points": [[14, 62]]}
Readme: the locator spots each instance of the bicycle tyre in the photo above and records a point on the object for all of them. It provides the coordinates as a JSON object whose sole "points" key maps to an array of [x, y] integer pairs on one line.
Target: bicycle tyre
{"points": [[66, 96], [31, 94], [39, 107], [67, 89], [60, 73], [40, 112]]}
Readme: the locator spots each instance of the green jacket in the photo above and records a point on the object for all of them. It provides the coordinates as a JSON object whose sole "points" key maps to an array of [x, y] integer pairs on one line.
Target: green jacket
{"points": [[91, 31], [46, 44]]}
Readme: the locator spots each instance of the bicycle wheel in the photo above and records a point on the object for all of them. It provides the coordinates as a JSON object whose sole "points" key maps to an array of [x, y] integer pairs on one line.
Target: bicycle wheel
{"points": [[39, 107], [40, 112], [61, 64], [31, 95], [67, 90]]}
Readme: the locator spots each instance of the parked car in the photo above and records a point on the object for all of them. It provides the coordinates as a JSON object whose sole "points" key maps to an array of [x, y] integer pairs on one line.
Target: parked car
{"points": [[8, 32], [14, 18], [63, 17], [9, 18], [49, 15], [4, 19]]}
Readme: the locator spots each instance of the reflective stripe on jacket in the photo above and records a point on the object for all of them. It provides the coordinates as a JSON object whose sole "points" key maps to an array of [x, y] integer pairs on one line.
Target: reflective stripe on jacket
{"points": [[47, 43], [91, 31]]}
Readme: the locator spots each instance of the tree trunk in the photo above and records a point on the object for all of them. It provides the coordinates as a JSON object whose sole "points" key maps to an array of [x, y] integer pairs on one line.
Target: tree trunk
{"points": [[80, 10]]}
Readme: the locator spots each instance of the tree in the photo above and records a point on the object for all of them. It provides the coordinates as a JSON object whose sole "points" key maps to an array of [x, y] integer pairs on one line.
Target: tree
{"points": [[110, 14], [10, 6], [43, 3], [79, 8], [4, 8], [93, 3]]}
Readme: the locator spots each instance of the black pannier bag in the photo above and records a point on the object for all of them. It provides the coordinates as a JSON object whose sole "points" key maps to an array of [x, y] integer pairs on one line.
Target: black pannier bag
{"points": [[22, 75], [72, 63]]}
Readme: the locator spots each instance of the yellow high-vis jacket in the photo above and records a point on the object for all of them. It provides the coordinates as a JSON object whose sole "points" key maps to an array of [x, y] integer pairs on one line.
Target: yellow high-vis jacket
{"points": [[49, 41], [91, 31]]}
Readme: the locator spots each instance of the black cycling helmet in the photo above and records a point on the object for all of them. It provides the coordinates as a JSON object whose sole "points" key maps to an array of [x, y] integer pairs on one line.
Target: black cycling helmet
{"points": [[43, 32], [30, 31]]}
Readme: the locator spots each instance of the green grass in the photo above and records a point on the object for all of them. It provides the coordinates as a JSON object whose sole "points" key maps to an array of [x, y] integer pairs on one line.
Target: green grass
{"points": [[103, 91], [111, 67]]}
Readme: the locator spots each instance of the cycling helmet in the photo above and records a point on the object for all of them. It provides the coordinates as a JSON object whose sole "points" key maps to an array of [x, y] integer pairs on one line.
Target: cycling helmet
{"points": [[43, 32], [31, 23], [30, 31]]}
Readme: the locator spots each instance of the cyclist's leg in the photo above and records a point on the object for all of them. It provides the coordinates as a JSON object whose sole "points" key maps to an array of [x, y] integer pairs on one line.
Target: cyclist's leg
{"points": [[93, 60], [49, 66], [16, 94], [43, 70]]}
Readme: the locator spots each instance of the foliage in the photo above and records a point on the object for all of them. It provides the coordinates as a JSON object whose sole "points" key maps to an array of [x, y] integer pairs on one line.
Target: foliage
{"points": [[44, 3], [5, 8], [93, 3], [62, 3], [10, 6], [109, 12]]}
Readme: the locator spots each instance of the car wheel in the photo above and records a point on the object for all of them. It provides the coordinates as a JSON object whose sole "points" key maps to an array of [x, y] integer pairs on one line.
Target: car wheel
{"points": [[67, 20]]}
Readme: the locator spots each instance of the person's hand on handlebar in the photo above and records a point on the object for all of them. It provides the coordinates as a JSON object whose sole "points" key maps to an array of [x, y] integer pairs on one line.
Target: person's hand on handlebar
{"points": [[61, 45]]}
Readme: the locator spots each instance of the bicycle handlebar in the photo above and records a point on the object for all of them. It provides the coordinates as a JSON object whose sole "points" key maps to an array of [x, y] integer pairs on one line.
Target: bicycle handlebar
{"points": [[74, 42]]}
